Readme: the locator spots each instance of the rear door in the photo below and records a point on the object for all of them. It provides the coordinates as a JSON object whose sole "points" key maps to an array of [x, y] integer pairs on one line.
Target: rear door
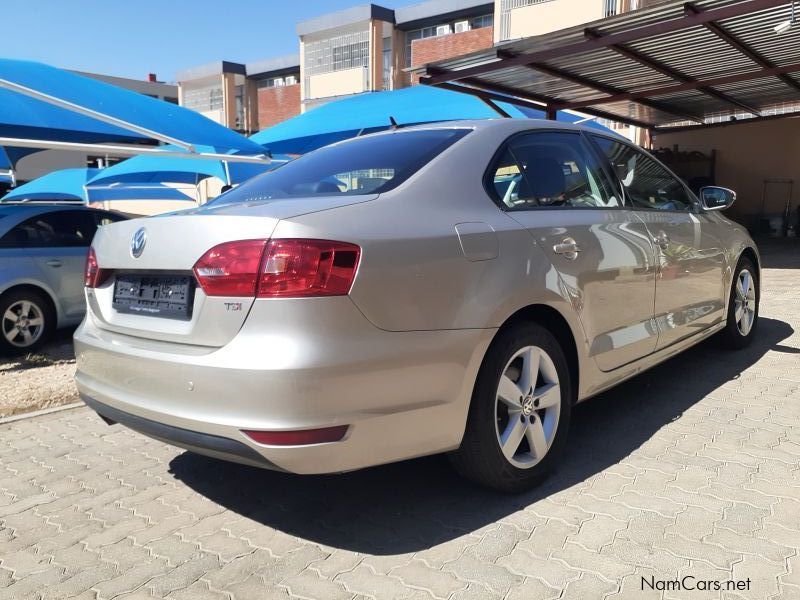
{"points": [[58, 242], [554, 185], [689, 289]]}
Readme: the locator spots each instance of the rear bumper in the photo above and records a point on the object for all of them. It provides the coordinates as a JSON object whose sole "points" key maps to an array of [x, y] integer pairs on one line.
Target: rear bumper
{"points": [[292, 366], [202, 443]]}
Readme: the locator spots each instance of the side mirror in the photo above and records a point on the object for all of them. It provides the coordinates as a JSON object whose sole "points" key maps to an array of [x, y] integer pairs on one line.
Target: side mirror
{"points": [[716, 198]]}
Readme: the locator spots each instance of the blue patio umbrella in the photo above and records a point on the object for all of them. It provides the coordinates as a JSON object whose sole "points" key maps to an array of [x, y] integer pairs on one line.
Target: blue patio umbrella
{"points": [[140, 170], [67, 184], [71, 184], [366, 113], [43, 103]]}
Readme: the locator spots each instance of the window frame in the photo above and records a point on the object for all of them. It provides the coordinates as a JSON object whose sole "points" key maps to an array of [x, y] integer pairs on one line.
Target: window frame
{"points": [[592, 150], [696, 206]]}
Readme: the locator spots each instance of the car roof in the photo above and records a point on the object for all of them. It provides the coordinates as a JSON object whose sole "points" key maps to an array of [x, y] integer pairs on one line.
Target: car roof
{"points": [[510, 126]]}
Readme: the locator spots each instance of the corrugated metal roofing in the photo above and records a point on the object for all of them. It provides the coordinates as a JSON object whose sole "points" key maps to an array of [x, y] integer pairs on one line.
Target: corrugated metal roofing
{"points": [[674, 63]]}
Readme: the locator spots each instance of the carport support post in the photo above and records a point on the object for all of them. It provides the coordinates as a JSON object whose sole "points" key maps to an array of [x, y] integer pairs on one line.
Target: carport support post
{"points": [[550, 113]]}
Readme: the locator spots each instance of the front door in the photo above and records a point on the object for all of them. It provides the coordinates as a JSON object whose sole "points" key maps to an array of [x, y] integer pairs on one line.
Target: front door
{"points": [[689, 288], [552, 183]]}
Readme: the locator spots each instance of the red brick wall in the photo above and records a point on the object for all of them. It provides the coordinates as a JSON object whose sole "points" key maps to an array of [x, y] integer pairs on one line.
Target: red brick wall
{"points": [[277, 104], [436, 48]]}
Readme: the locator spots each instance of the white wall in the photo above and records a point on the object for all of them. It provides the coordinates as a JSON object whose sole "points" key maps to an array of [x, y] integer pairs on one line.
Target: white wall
{"points": [[747, 154]]}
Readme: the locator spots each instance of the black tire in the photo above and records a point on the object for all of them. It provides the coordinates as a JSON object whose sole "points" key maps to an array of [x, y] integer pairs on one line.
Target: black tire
{"points": [[732, 336], [480, 458], [41, 305]]}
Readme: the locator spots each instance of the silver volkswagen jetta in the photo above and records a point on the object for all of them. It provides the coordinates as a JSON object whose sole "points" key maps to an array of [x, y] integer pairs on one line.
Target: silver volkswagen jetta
{"points": [[446, 288]]}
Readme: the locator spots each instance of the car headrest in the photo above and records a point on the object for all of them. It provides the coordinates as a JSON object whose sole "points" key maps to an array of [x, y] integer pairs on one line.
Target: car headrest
{"points": [[545, 176], [326, 187]]}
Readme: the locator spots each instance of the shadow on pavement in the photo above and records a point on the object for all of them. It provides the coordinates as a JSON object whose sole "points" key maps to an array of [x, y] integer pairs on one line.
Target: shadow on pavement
{"points": [[417, 504]]}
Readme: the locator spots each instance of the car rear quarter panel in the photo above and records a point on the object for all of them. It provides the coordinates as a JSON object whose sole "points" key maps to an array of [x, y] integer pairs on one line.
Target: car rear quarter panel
{"points": [[414, 274]]}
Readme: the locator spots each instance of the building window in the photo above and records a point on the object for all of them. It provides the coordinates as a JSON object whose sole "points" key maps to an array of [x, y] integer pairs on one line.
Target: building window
{"points": [[350, 56], [482, 21], [203, 99], [336, 53]]}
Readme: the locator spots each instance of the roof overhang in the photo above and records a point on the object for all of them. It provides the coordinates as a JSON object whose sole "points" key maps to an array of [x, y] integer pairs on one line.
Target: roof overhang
{"points": [[435, 12], [344, 18], [674, 65]]}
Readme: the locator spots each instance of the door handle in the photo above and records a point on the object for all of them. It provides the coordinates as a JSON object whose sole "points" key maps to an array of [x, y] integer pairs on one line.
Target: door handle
{"points": [[568, 247], [661, 239], [53, 262]]}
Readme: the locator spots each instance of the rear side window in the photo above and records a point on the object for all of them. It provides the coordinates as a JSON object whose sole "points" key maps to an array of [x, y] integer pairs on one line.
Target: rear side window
{"points": [[550, 169], [370, 165], [61, 229]]}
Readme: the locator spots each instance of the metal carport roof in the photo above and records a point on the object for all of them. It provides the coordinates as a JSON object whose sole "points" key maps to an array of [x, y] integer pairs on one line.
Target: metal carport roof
{"points": [[675, 64]]}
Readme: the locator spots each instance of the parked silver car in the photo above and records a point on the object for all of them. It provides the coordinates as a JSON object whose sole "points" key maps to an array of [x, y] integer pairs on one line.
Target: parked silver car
{"points": [[42, 256], [446, 288]]}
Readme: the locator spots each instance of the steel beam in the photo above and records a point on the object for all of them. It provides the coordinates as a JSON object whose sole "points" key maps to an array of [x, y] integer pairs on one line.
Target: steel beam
{"points": [[98, 116], [609, 89], [128, 150], [733, 121], [664, 69], [682, 87], [515, 96], [739, 45], [493, 96], [612, 39]]}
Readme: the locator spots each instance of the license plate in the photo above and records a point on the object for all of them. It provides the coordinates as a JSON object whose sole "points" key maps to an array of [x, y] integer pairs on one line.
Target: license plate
{"points": [[166, 296]]}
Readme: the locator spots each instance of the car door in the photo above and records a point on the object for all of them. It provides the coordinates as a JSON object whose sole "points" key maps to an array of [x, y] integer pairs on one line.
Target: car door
{"points": [[58, 242], [552, 182], [690, 294]]}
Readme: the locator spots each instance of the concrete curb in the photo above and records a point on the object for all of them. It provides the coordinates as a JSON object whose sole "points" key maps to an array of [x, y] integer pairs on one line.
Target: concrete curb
{"points": [[39, 413]]}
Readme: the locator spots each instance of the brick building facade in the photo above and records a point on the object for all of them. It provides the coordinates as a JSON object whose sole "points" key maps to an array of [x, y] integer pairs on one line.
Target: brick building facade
{"points": [[431, 49], [276, 104]]}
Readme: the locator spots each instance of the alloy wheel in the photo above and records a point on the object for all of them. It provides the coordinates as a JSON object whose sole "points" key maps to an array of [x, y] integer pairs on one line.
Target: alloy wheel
{"points": [[744, 310], [527, 407], [23, 324]]}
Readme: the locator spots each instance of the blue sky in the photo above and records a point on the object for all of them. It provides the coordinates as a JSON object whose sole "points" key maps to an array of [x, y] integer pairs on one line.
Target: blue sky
{"points": [[131, 38]]}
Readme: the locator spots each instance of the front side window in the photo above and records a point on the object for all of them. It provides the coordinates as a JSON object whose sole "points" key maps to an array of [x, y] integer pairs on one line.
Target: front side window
{"points": [[550, 169], [648, 184], [368, 165]]}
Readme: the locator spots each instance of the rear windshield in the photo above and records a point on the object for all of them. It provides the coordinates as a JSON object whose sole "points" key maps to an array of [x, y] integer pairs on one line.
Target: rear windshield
{"points": [[369, 165]]}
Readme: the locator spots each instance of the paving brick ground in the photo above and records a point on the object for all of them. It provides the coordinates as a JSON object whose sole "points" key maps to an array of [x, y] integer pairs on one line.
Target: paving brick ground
{"points": [[692, 469]]}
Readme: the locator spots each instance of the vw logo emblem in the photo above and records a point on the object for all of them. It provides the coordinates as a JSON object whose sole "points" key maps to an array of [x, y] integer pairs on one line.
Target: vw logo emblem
{"points": [[138, 242]]}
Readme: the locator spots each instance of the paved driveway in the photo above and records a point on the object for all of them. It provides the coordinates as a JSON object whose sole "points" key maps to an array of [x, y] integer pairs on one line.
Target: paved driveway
{"points": [[692, 469]]}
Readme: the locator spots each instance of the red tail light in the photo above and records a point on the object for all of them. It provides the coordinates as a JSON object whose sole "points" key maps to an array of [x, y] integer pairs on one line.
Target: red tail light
{"points": [[289, 268], [93, 275], [298, 437], [230, 269], [304, 268]]}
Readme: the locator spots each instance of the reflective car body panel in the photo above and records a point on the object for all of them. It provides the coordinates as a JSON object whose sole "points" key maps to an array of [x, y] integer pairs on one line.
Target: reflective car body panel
{"points": [[443, 266], [54, 265]]}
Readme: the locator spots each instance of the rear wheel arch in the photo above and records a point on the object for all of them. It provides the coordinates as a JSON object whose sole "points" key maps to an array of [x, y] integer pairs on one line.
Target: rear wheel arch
{"points": [[552, 320]]}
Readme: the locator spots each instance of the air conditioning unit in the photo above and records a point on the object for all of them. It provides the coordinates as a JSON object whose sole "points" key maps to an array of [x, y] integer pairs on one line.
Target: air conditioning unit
{"points": [[291, 80], [443, 30], [461, 26]]}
